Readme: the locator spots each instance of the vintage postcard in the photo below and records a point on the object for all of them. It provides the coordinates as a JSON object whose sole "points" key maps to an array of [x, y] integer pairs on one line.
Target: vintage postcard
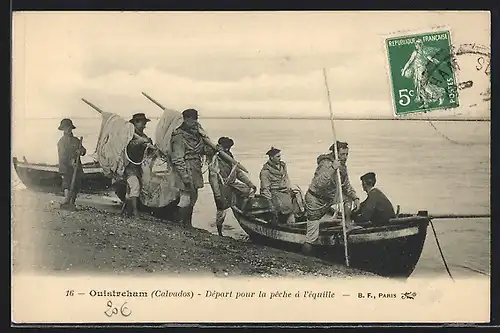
{"points": [[251, 167]]}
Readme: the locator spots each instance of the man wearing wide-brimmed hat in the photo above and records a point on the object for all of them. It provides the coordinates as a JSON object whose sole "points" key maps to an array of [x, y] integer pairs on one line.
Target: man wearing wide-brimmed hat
{"points": [[69, 149], [224, 180], [188, 149], [135, 154]]}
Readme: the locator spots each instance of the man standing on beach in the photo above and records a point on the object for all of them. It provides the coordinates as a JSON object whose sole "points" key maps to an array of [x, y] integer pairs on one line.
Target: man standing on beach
{"points": [[275, 186], [323, 192], [188, 149], [69, 149], [135, 153], [223, 180], [376, 208]]}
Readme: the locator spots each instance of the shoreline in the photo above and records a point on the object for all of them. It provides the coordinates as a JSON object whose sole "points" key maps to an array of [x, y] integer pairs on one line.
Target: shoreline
{"points": [[96, 240]]}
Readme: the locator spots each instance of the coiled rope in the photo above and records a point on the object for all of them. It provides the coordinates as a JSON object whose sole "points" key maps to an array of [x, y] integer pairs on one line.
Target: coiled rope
{"points": [[143, 157], [441, 251]]}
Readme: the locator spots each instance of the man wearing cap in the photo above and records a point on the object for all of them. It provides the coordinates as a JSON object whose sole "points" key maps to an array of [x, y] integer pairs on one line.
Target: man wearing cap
{"points": [[376, 208], [188, 149], [323, 192], [223, 179], [135, 154], [69, 149], [275, 185]]}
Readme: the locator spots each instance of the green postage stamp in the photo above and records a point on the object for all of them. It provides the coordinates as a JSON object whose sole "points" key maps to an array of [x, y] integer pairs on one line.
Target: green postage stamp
{"points": [[422, 72]]}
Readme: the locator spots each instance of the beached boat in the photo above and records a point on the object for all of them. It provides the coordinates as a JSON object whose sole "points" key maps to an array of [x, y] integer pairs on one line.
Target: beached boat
{"points": [[46, 177], [391, 250]]}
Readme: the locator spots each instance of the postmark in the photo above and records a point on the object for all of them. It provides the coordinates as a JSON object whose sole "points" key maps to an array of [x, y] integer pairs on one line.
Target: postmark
{"points": [[422, 72], [471, 64]]}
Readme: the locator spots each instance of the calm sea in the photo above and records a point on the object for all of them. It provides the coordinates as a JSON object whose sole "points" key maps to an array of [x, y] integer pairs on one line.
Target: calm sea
{"points": [[443, 170]]}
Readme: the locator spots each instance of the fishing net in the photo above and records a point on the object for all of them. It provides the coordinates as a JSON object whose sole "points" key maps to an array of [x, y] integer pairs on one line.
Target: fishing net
{"points": [[160, 182], [169, 121], [114, 136]]}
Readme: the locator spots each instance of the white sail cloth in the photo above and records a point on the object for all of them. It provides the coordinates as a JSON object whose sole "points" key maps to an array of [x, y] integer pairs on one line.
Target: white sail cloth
{"points": [[169, 121], [114, 136]]}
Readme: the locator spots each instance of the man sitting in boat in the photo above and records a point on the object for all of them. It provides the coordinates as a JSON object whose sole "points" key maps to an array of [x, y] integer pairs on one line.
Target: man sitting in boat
{"points": [[275, 186], [223, 179], [323, 192], [69, 149], [376, 208], [188, 149], [135, 153]]}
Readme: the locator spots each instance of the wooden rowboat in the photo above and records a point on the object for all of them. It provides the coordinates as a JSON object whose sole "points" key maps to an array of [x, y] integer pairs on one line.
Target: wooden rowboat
{"points": [[46, 177], [391, 250]]}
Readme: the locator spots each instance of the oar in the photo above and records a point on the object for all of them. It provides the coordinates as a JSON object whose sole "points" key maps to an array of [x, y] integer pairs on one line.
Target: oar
{"points": [[339, 181], [75, 170], [207, 141]]}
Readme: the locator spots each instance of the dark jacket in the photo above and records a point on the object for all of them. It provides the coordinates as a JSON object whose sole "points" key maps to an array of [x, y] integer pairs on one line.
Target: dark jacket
{"points": [[188, 149], [66, 148], [135, 151], [376, 208]]}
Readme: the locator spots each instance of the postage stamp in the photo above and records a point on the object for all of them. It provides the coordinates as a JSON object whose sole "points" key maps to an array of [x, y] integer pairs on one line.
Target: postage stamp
{"points": [[422, 72]]}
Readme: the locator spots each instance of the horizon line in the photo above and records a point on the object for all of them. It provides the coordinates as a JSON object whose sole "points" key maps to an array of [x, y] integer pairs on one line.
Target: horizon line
{"points": [[310, 118]]}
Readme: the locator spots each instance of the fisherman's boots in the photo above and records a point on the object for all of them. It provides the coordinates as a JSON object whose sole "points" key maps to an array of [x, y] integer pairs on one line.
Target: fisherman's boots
{"points": [[219, 220], [67, 204], [184, 216]]}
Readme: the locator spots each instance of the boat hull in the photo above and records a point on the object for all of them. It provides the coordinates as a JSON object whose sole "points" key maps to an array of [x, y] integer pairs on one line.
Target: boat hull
{"points": [[391, 250], [46, 178]]}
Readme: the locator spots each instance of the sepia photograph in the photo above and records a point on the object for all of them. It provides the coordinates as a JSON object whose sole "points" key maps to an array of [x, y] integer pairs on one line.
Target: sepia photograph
{"points": [[295, 150]]}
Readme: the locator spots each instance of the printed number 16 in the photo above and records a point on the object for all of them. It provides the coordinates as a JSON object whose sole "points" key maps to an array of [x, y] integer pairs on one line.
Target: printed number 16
{"points": [[404, 97]]}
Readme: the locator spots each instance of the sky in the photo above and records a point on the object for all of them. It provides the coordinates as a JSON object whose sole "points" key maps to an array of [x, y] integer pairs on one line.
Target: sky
{"points": [[223, 64]]}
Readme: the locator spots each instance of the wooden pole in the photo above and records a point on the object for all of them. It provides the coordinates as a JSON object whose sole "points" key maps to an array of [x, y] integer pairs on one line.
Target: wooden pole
{"points": [[459, 216], [100, 111], [339, 183], [92, 106], [207, 140]]}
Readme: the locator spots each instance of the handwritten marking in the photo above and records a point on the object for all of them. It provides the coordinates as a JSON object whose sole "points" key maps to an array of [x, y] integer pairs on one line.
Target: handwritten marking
{"points": [[111, 311]]}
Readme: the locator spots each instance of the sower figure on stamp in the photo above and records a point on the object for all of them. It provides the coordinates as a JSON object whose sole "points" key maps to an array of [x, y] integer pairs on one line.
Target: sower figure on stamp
{"points": [[323, 193], [275, 186], [135, 154], [376, 208], [416, 68], [188, 149], [223, 179], [69, 149]]}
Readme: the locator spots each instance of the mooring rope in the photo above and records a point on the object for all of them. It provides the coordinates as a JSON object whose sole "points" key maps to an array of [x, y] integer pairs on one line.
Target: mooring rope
{"points": [[474, 270], [450, 139], [441, 251]]}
